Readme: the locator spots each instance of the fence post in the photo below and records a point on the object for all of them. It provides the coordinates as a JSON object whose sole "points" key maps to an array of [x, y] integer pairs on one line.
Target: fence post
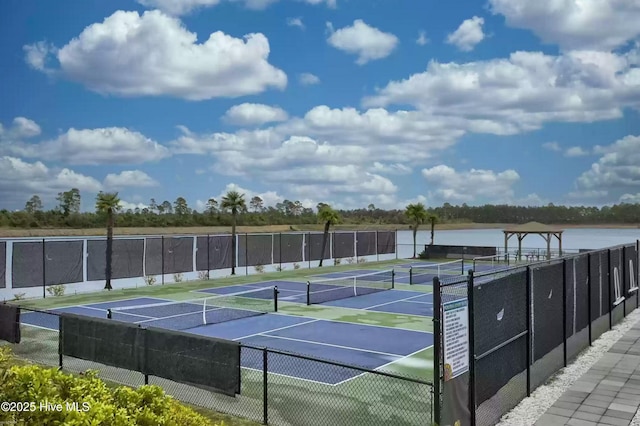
{"points": [[529, 330], [623, 274], [589, 291], [333, 247], [275, 298], [265, 380], [436, 348], [472, 350], [609, 288], [564, 311], [397, 244], [309, 249], [60, 343], [162, 257], [246, 253], [208, 259], [44, 268], [637, 277], [280, 250], [377, 249]]}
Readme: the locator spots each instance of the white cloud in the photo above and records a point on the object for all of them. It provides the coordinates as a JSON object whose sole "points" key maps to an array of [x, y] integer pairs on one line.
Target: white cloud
{"points": [[126, 205], [184, 7], [368, 42], [630, 198], [468, 34], [552, 146], [21, 128], [20, 179], [575, 151], [254, 114], [295, 22], [574, 24], [392, 169], [473, 186], [113, 145], [36, 55], [129, 178], [520, 93], [616, 173], [422, 38], [308, 79], [153, 54]]}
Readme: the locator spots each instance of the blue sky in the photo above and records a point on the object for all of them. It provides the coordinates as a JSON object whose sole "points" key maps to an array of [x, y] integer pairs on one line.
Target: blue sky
{"points": [[339, 101]]}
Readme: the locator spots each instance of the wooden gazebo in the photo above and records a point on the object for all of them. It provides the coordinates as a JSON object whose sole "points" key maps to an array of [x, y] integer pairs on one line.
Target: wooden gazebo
{"points": [[521, 231]]}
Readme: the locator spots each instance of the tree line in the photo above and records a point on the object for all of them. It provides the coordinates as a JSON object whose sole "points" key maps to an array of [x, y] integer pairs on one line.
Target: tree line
{"points": [[67, 213]]}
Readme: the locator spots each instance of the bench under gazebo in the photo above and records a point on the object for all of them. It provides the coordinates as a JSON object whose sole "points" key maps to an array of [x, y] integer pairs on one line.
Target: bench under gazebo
{"points": [[521, 231]]}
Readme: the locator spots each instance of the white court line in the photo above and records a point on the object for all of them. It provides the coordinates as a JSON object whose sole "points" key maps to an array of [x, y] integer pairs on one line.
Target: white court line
{"points": [[277, 329], [40, 327], [288, 376], [413, 301], [331, 345], [395, 301], [400, 358]]}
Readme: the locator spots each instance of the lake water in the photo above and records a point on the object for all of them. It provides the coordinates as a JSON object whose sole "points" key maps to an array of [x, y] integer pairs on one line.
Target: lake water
{"points": [[572, 239]]}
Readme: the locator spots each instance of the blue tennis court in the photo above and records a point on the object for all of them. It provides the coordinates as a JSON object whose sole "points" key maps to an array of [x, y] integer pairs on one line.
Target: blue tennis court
{"points": [[358, 344]]}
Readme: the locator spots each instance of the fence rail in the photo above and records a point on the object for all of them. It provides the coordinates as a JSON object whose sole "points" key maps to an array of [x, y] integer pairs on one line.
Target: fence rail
{"points": [[527, 322]]}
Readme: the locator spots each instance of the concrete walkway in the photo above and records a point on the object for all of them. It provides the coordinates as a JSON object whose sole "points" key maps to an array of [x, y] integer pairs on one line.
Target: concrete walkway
{"points": [[607, 394]]}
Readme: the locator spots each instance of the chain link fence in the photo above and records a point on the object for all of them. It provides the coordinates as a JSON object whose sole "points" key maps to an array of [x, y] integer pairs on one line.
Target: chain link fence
{"points": [[277, 387], [524, 324]]}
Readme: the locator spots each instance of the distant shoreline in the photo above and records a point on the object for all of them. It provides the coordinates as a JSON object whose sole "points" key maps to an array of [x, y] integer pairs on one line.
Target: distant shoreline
{"points": [[204, 230]]}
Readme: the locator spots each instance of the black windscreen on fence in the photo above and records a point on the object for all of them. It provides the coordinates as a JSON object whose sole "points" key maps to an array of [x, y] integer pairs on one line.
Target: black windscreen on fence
{"points": [[255, 250], [126, 261], [500, 308], [599, 279], [631, 268], [62, 261], [546, 285], [3, 263], [386, 242], [220, 252], [288, 248], [104, 341], [191, 359], [365, 243], [343, 245], [314, 246], [9, 323], [616, 279], [577, 294], [172, 254]]}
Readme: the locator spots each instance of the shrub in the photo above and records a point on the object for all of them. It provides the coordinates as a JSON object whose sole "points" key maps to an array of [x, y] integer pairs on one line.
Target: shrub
{"points": [[362, 260], [56, 290], [203, 275], [280, 268], [336, 262], [147, 405], [350, 260], [259, 269], [178, 278], [149, 279], [296, 266], [423, 255]]}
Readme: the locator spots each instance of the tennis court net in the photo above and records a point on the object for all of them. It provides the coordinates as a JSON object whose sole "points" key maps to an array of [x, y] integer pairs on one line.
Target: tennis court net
{"points": [[184, 315], [419, 274], [321, 291]]}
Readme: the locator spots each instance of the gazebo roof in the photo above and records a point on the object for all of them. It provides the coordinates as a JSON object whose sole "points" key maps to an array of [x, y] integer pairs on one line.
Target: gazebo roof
{"points": [[532, 228]]}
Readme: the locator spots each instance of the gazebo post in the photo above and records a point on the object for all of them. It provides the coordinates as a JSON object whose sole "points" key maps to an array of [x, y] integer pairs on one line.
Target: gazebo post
{"points": [[548, 246], [559, 237], [520, 237], [506, 247]]}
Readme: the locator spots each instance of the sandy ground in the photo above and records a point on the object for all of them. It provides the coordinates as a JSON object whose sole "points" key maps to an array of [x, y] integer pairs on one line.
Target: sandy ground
{"points": [[204, 230]]}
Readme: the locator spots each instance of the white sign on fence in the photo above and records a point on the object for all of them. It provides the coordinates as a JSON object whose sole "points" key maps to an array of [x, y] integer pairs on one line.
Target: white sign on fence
{"points": [[456, 338]]}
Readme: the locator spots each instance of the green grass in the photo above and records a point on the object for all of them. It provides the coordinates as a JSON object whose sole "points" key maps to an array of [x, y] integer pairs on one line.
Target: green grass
{"points": [[292, 400]]}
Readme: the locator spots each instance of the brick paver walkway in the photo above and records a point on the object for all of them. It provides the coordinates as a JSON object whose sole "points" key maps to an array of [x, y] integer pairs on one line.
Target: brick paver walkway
{"points": [[607, 394]]}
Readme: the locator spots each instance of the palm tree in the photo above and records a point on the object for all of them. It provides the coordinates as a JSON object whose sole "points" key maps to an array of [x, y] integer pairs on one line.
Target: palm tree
{"points": [[234, 202], [108, 203], [433, 219], [416, 214], [329, 217]]}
